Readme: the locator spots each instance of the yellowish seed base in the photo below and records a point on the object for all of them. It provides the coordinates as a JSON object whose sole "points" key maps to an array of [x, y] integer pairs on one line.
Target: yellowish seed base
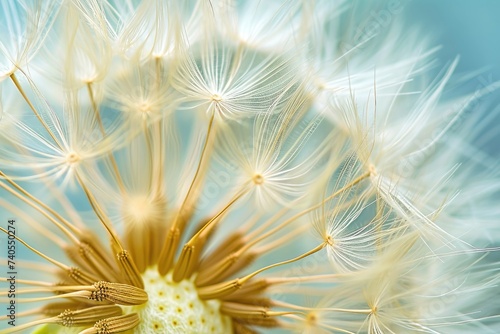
{"points": [[176, 308]]}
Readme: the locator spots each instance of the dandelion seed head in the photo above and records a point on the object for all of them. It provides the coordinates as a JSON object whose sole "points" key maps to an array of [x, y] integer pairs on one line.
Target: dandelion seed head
{"points": [[239, 167]]}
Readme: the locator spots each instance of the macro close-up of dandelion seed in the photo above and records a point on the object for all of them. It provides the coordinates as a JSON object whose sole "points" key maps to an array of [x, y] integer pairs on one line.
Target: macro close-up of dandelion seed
{"points": [[220, 166]]}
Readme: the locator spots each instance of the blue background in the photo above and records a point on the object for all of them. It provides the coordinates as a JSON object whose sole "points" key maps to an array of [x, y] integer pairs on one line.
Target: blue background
{"points": [[471, 30]]}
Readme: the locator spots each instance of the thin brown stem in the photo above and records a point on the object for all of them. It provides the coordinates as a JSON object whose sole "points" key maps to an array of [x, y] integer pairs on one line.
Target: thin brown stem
{"points": [[14, 79]]}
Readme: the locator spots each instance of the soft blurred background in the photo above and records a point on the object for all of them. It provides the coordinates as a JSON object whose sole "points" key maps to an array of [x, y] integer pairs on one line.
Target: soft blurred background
{"points": [[471, 30]]}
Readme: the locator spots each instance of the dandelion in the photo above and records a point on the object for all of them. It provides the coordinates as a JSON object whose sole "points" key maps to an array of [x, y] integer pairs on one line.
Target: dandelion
{"points": [[236, 167]]}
